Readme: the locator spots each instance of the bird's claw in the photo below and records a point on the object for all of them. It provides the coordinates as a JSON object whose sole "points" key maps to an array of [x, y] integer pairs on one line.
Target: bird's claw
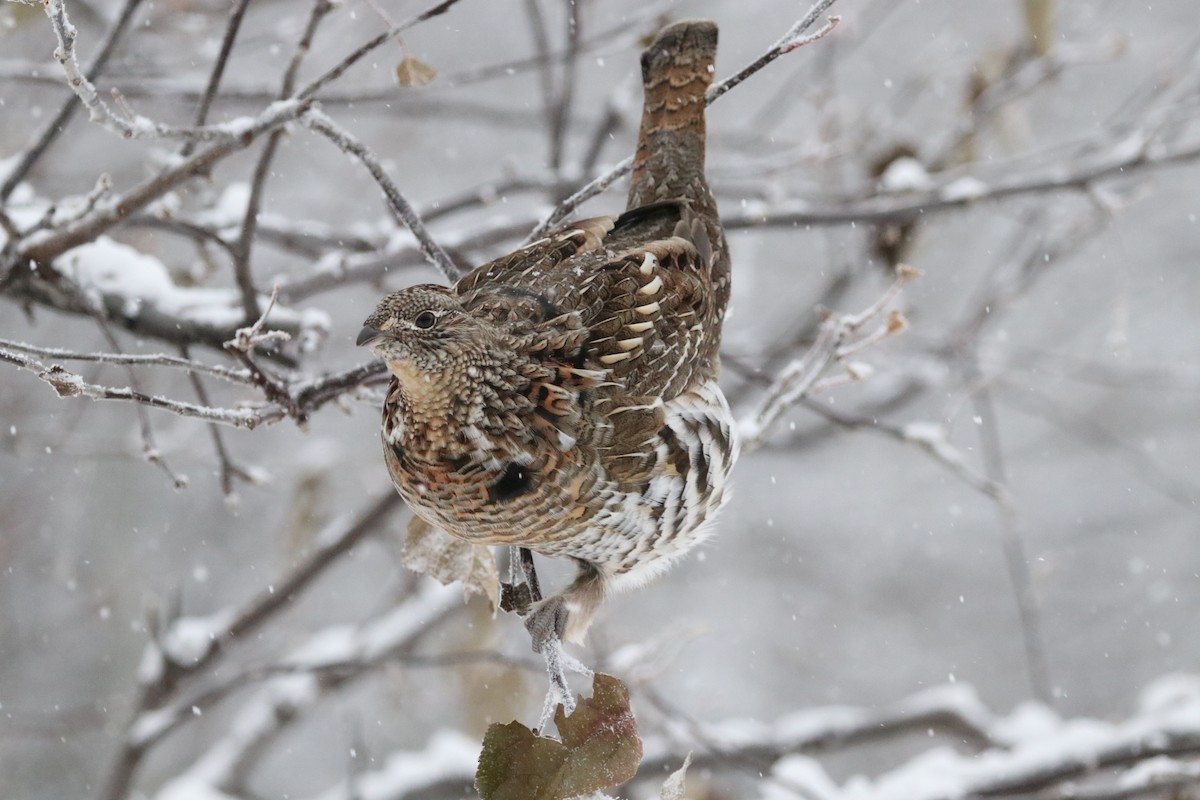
{"points": [[557, 662]]}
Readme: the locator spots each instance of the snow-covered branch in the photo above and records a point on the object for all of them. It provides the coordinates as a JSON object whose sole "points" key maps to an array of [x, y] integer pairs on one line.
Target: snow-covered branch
{"points": [[284, 698], [984, 755]]}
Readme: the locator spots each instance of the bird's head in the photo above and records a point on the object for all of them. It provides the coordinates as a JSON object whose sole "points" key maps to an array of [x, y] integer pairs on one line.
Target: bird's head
{"points": [[422, 333]]}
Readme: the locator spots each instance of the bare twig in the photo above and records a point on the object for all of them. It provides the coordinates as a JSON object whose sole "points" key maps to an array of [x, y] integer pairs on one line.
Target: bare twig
{"points": [[68, 384], [344, 141], [134, 127], [793, 39], [312, 89], [242, 133], [218, 71], [229, 470], [246, 341], [245, 241], [157, 360], [277, 705], [149, 445], [1124, 160], [798, 379], [1015, 560], [930, 439]]}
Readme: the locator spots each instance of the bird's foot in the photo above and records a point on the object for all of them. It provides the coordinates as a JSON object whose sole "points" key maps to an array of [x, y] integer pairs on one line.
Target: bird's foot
{"points": [[545, 624], [546, 621]]}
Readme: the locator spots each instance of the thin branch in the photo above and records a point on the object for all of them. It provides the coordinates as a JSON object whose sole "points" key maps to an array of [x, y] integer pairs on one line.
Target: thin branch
{"points": [[246, 341], [1017, 563], [930, 441], [218, 71], [799, 378], [1145, 469], [68, 384], [793, 39], [59, 122], [276, 706], [229, 470], [135, 126], [346, 142], [157, 360], [243, 132], [149, 445], [245, 241], [1123, 160], [310, 91]]}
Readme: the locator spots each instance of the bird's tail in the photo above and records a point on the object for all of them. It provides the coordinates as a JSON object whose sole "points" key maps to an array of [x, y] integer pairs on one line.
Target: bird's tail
{"points": [[677, 69]]}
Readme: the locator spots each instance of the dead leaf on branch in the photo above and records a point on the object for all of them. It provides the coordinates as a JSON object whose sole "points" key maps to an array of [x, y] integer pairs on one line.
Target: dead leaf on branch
{"points": [[433, 552], [600, 748], [413, 72]]}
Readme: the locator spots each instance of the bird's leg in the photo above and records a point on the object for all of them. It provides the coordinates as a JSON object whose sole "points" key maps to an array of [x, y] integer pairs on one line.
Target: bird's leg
{"points": [[530, 573], [521, 590], [565, 615]]}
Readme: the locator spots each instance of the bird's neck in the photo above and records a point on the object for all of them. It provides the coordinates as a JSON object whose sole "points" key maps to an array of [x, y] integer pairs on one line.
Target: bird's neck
{"points": [[456, 413]]}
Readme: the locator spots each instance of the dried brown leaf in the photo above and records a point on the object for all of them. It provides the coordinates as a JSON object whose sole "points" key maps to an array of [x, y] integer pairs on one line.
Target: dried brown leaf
{"points": [[433, 552], [413, 72], [600, 748]]}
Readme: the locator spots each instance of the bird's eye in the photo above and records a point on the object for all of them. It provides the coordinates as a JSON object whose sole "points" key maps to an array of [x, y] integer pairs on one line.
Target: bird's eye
{"points": [[425, 320]]}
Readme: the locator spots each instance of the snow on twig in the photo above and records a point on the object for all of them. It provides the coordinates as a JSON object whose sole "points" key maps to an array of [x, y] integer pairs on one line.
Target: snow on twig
{"points": [[135, 126], [834, 342], [1028, 750], [238, 376], [449, 756], [69, 384]]}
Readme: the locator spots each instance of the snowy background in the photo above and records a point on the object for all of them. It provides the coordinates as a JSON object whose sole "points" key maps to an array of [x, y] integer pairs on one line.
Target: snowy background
{"points": [[854, 567]]}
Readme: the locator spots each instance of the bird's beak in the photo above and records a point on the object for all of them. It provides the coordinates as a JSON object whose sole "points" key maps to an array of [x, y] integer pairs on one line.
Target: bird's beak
{"points": [[368, 336]]}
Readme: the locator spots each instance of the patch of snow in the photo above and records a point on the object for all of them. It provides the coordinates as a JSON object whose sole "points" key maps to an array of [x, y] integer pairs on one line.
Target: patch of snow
{"points": [[229, 207], [1158, 770], [450, 755], [341, 643], [905, 175], [189, 639], [805, 776], [150, 668], [932, 437], [1028, 720], [187, 788], [257, 719], [967, 188], [109, 269], [1170, 692], [150, 725]]}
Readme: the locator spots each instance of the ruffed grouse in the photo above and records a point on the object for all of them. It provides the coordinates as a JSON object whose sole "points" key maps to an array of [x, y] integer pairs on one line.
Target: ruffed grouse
{"points": [[564, 398]]}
